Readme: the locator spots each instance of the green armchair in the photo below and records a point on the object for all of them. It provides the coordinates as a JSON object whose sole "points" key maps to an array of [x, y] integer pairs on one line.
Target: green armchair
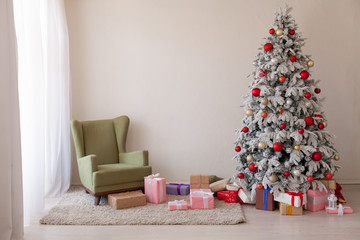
{"points": [[104, 165]]}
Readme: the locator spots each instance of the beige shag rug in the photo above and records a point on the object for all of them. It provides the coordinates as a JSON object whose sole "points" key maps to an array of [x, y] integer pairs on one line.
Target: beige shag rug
{"points": [[77, 208]]}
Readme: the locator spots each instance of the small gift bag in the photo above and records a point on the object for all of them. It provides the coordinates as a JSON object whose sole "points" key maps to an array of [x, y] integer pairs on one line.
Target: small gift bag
{"points": [[232, 193]]}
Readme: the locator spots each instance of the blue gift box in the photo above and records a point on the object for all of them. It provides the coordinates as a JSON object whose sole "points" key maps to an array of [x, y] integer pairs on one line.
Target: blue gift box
{"points": [[177, 189]]}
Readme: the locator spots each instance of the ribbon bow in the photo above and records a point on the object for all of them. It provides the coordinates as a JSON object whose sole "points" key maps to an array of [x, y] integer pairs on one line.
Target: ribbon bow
{"points": [[178, 203], [263, 73], [153, 175], [293, 195]]}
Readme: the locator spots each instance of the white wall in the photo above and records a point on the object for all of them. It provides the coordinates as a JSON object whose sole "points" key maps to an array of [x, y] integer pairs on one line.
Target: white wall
{"points": [[179, 69]]}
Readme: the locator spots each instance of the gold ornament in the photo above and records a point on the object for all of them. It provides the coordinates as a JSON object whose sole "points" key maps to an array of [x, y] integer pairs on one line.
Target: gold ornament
{"points": [[310, 63], [324, 123], [297, 147], [249, 112], [336, 157], [264, 101], [279, 32], [261, 145], [249, 158], [273, 178], [308, 104]]}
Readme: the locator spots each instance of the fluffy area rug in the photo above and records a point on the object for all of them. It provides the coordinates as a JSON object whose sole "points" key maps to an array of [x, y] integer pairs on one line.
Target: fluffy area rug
{"points": [[77, 208]]}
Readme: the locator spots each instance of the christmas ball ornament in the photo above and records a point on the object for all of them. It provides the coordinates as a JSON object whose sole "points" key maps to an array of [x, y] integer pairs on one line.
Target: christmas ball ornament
{"points": [[241, 175], [321, 126], [264, 101], [308, 104], [310, 179], [261, 145], [273, 178], [336, 157], [297, 147], [301, 131], [264, 114], [238, 148], [274, 61], [249, 112], [268, 47], [278, 146], [316, 156], [245, 129], [286, 173], [293, 58], [282, 79], [252, 167], [279, 32], [328, 176], [259, 186], [297, 173], [317, 90], [324, 123], [304, 75], [272, 31], [289, 101], [310, 63], [256, 92], [292, 32], [308, 95], [283, 126], [309, 121], [249, 158]]}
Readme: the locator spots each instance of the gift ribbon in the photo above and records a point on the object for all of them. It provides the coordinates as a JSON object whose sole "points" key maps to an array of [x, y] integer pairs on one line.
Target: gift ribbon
{"points": [[265, 197], [205, 196], [293, 195], [178, 203], [156, 175], [288, 209], [179, 186]]}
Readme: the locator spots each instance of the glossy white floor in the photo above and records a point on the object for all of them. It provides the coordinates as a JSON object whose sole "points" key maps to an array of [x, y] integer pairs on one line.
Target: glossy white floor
{"points": [[259, 225]]}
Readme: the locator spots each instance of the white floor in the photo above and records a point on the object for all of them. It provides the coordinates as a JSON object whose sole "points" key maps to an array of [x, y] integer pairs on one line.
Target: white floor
{"points": [[259, 225]]}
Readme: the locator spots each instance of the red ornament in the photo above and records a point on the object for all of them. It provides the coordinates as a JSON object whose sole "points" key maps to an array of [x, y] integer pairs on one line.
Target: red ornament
{"points": [[264, 114], [268, 47], [292, 32], [245, 129], [308, 95], [281, 111], [238, 148], [301, 131], [278, 146], [286, 173], [321, 126], [282, 79], [309, 121], [328, 176], [318, 115], [293, 58], [283, 125], [317, 156], [259, 186], [252, 167], [256, 92], [317, 90], [272, 31], [304, 75], [310, 178], [241, 175]]}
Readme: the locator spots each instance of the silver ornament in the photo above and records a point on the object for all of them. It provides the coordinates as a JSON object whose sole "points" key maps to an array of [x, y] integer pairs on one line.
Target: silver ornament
{"points": [[308, 104], [297, 172], [310, 63], [261, 145], [289, 101], [274, 61], [249, 158]]}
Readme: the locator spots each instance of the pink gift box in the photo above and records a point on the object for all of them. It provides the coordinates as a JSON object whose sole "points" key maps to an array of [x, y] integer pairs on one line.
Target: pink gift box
{"points": [[201, 199], [347, 210], [178, 205], [155, 189], [317, 200]]}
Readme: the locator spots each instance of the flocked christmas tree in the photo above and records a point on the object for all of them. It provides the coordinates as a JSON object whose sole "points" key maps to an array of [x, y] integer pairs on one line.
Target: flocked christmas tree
{"points": [[283, 142]]}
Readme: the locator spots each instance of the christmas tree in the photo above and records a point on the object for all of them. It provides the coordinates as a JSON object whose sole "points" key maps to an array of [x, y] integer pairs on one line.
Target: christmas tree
{"points": [[283, 143]]}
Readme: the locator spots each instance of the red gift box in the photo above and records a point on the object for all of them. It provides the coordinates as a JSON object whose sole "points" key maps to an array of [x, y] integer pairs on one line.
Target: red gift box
{"points": [[222, 195]]}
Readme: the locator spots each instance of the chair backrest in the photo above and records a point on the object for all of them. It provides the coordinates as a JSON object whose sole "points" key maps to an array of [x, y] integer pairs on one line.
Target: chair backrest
{"points": [[104, 138]]}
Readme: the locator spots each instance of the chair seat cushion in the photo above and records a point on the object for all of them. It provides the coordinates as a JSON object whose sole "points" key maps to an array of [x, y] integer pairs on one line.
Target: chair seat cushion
{"points": [[117, 173]]}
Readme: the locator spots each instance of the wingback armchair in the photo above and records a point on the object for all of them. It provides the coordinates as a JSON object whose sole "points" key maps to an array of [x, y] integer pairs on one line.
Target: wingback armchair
{"points": [[104, 165]]}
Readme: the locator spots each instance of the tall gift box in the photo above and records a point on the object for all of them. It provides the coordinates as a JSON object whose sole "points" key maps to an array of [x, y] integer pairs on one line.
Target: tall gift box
{"points": [[177, 189], [201, 199], [155, 189], [287, 209], [292, 198], [198, 181], [265, 200], [317, 200]]}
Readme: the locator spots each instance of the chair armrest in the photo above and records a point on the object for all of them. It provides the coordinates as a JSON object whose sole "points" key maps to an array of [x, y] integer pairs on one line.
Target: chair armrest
{"points": [[138, 158], [87, 165]]}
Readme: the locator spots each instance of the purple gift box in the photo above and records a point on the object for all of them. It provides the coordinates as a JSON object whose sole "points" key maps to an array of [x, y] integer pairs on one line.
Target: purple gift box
{"points": [[177, 189]]}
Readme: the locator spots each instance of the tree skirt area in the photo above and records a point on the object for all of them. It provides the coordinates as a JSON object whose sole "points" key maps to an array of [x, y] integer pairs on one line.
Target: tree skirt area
{"points": [[77, 208]]}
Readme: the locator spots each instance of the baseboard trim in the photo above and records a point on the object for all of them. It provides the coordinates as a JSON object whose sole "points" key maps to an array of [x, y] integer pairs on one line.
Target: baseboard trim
{"points": [[348, 181]]}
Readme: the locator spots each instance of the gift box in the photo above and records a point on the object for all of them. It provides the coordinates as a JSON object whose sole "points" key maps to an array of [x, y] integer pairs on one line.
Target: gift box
{"points": [[292, 198], [245, 196], [178, 205], [345, 209], [265, 200], [232, 193], [222, 195], [199, 181], [155, 189], [329, 184], [286, 209], [177, 189], [201, 199], [126, 200], [316, 200]]}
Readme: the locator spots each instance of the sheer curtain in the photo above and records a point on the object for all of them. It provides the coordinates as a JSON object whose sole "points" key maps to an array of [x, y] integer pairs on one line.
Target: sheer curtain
{"points": [[43, 56], [11, 212]]}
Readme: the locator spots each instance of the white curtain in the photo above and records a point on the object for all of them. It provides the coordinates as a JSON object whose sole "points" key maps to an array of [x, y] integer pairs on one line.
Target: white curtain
{"points": [[11, 211], [44, 101]]}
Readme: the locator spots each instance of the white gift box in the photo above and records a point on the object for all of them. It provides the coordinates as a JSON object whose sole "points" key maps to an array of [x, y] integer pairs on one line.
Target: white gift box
{"points": [[245, 196], [291, 198]]}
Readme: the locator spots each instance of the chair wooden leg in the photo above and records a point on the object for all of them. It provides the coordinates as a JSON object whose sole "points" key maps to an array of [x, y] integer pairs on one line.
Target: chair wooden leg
{"points": [[97, 200]]}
